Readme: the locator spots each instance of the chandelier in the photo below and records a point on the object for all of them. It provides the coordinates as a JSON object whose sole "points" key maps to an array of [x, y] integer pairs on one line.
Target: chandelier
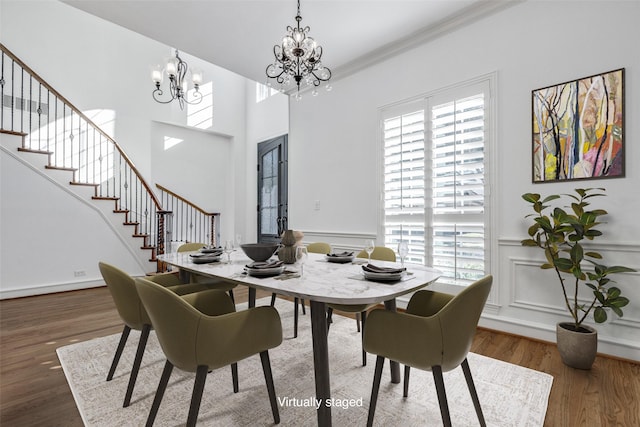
{"points": [[298, 58], [177, 70]]}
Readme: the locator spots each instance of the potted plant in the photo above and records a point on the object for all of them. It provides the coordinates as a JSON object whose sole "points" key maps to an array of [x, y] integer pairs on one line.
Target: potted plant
{"points": [[560, 234]]}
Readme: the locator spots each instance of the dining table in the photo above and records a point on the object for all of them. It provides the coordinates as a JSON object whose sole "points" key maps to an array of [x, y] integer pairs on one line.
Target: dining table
{"points": [[322, 282]]}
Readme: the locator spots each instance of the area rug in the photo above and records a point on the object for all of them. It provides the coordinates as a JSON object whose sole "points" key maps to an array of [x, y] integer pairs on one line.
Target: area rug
{"points": [[510, 395]]}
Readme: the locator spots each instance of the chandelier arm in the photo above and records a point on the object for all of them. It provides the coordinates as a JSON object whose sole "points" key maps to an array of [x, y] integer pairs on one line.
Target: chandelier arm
{"points": [[158, 92]]}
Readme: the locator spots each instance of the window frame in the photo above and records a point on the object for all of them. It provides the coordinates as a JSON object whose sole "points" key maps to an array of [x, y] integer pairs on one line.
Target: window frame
{"points": [[488, 84]]}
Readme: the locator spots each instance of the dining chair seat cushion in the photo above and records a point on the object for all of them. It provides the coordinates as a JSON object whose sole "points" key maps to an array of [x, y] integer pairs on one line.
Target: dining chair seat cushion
{"points": [[191, 338]]}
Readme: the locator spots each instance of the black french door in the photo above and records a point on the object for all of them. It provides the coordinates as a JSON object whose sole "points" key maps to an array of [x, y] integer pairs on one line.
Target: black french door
{"points": [[272, 189]]}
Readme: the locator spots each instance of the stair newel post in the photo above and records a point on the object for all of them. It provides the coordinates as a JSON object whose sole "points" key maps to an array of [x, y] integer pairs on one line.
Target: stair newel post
{"points": [[164, 226], [214, 234]]}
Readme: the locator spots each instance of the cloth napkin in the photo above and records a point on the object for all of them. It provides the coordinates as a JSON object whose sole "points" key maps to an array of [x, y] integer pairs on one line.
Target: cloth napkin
{"points": [[206, 255], [375, 269], [341, 254], [211, 250], [265, 264]]}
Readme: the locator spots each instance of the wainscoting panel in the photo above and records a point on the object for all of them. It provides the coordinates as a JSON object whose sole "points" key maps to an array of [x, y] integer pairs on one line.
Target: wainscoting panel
{"points": [[532, 303]]}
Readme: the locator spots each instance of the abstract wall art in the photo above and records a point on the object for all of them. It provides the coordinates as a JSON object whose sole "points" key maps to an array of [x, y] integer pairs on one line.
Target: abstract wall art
{"points": [[578, 129]]}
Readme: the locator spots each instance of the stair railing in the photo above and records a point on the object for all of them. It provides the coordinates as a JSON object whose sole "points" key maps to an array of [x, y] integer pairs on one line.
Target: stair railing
{"points": [[51, 125], [189, 223]]}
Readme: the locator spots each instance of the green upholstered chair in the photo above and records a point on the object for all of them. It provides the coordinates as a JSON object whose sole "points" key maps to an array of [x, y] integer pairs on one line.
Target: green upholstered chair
{"points": [[123, 291], [380, 253], [434, 334], [211, 282], [202, 332], [319, 248], [316, 248]]}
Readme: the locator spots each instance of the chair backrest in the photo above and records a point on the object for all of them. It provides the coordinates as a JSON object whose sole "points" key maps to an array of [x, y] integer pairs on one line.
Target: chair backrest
{"points": [[381, 253], [189, 247], [174, 320], [459, 320], [319, 248], [123, 291]]}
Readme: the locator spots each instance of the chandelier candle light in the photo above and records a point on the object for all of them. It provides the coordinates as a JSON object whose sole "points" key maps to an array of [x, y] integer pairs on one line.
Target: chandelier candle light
{"points": [[177, 70], [299, 56]]}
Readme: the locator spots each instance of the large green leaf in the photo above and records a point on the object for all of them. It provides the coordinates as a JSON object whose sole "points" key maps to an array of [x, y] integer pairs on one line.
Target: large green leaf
{"points": [[619, 302], [618, 269], [528, 242], [599, 315], [577, 254], [563, 264], [613, 292], [550, 198], [531, 197], [593, 255]]}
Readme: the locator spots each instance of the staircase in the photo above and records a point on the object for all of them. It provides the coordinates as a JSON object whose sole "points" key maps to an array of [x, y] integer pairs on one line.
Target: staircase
{"points": [[68, 140]]}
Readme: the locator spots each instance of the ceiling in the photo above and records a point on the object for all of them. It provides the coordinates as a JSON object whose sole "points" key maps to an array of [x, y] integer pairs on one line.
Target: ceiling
{"points": [[239, 35]]}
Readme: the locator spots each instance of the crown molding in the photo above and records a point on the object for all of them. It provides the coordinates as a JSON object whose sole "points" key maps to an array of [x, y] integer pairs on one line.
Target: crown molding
{"points": [[464, 17]]}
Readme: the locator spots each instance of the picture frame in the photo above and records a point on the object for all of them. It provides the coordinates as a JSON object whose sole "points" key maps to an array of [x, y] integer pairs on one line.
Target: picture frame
{"points": [[578, 129]]}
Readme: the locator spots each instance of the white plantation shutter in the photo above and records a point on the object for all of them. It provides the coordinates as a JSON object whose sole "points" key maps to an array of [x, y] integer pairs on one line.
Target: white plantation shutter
{"points": [[457, 144], [434, 181], [404, 173]]}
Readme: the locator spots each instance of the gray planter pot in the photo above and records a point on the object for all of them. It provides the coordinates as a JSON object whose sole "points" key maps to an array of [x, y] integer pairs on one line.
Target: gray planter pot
{"points": [[577, 348]]}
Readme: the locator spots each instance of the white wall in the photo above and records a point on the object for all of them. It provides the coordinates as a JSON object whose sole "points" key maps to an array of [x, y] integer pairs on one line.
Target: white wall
{"points": [[531, 45], [53, 238], [98, 65], [265, 120]]}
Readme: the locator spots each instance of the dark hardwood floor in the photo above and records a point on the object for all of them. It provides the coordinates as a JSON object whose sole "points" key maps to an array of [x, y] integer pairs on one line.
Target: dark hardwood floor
{"points": [[34, 391]]}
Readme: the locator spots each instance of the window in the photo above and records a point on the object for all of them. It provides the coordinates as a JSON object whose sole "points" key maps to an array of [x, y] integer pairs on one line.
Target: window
{"points": [[435, 180], [263, 92]]}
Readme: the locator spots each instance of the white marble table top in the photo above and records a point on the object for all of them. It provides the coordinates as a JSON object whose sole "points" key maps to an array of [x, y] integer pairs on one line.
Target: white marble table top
{"points": [[321, 281]]}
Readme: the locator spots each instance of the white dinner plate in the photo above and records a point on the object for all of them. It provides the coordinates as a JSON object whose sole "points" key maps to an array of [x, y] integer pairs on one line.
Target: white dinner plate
{"points": [[264, 272]]}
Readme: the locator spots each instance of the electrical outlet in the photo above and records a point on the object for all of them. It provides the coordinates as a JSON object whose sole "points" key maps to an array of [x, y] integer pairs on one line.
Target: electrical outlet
{"points": [[317, 205], [79, 273]]}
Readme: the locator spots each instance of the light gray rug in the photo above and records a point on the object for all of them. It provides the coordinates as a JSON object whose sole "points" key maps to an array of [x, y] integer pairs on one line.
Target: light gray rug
{"points": [[510, 395]]}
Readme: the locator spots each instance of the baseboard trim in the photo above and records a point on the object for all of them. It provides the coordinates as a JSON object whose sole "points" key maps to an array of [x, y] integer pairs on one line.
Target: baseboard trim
{"points": [[49, 289]]}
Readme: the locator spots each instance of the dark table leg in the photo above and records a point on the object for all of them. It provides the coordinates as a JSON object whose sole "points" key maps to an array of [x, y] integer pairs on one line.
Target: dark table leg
{"points": [[252, 297], [321, 361], [395, 367]]}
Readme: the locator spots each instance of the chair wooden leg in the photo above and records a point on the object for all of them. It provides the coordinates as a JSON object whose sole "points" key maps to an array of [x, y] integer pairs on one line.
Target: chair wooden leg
{"points": [[364, 353], [233, 300], [295, 317], [234, 377], [377, 376], [162, 386], [472, 391], [329, 318], [268, 377], [273, 299], [442, 395], [407, 369], [196, 397], [304, 310], [358, 321], [116, 357], [136, 364]]}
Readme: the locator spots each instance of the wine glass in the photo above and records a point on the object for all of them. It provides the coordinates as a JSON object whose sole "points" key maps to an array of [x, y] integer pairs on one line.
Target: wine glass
{"points": [[403, 250], [301, 257], [369, 248], [227, 249]]}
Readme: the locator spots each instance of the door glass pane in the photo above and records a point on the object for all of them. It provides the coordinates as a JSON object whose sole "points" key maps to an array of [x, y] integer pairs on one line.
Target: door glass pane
{"points": [[269, 193]]}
